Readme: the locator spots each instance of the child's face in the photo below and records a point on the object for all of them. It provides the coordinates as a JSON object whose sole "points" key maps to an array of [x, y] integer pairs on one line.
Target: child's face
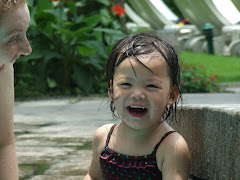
{"points": [[13, 40], [142, 98]]}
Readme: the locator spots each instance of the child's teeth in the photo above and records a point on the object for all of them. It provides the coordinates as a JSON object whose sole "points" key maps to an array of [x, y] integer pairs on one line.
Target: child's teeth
{"points": [[137, 107]]}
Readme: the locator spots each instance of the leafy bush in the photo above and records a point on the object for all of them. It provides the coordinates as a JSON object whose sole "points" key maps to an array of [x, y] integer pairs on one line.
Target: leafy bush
{"points": [[71, 41], [195, 80], [227, 67]]}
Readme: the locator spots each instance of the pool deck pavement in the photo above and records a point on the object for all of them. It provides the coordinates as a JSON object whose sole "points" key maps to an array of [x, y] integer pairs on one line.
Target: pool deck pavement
{"points": [[53, 136]]}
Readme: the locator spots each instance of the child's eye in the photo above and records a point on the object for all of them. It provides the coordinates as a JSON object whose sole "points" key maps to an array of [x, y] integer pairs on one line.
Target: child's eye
{"points": [[125, 85], [151, 86]]}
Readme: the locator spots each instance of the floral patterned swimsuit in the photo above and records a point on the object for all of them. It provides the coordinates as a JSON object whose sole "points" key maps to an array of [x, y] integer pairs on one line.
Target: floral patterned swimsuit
{"points": [[118, 166]]}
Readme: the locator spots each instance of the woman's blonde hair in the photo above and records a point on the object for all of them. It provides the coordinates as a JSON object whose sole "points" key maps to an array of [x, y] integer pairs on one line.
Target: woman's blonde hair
{"points": [[6, 5]]}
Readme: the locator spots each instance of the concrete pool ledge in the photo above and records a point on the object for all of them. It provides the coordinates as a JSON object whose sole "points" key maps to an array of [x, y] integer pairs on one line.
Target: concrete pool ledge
{"points": [[53, 136], [212, 133]]}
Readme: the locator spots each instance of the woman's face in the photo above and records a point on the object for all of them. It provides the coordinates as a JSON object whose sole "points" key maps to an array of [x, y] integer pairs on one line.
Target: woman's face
{"points": [[13, 40]]}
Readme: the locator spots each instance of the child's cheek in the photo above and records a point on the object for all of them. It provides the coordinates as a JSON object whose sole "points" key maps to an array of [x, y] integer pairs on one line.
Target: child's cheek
{"points": [[117, 93]]}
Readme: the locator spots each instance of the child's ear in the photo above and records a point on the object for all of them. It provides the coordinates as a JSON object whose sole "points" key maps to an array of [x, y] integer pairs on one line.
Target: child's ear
{"points": [[110, 90], [173, 96]]}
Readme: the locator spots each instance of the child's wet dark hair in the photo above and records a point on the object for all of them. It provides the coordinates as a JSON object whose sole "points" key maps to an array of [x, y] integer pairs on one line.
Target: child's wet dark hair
{"points": [[144, 43]]}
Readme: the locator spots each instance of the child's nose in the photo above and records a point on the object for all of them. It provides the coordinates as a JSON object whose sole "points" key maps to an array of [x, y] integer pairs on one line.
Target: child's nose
{"points": [[25, 47], [138, 94]]}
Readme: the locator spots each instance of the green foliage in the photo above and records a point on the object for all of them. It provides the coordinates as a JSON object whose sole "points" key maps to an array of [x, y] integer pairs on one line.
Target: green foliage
{"points": [[195, 80], [70, 42], [227, 67]]}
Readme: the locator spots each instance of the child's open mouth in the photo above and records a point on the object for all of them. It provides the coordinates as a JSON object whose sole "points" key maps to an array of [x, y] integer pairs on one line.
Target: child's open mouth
{"points": [[137, 111]]}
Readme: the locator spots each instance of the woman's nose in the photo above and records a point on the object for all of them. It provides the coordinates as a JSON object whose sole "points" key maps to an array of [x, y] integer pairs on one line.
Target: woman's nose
{"points": [[138, 94], [25, 47]]}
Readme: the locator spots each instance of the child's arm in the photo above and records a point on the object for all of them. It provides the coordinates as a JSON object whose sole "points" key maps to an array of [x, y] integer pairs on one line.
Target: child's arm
{"points": [[99, 142], [176, 160], [8, 160]]}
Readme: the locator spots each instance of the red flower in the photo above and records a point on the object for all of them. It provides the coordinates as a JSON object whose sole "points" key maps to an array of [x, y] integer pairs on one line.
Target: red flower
{"points": [[182, 82], [195, 78], [188, 66], [212, 78], [118, 10]]}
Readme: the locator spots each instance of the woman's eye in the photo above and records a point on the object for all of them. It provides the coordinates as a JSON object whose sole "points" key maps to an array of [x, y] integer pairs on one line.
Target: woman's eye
{"points": [[13, 39]]}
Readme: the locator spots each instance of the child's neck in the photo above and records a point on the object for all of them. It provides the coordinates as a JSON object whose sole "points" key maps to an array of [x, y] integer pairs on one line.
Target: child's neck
{"points": [[138, 135]]}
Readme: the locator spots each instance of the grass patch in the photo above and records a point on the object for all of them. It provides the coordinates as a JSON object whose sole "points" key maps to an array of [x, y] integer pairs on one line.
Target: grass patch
{"points": [[33, 169], [17, 133], [85, 146], [227, 68]]}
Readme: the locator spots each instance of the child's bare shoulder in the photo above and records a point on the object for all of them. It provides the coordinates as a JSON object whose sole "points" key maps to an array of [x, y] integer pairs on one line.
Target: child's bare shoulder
{"points": [[173, 148], [174, 143], [176, 140], [103, 131], [99, 138]]}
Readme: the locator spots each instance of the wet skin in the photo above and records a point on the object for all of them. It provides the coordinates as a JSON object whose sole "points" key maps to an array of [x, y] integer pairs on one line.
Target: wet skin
{"points": [[142, 97]]}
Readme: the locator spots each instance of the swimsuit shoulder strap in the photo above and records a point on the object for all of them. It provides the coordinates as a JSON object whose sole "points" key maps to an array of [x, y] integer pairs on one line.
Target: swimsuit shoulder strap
{"points": [[163, 137], [110, 133]]}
